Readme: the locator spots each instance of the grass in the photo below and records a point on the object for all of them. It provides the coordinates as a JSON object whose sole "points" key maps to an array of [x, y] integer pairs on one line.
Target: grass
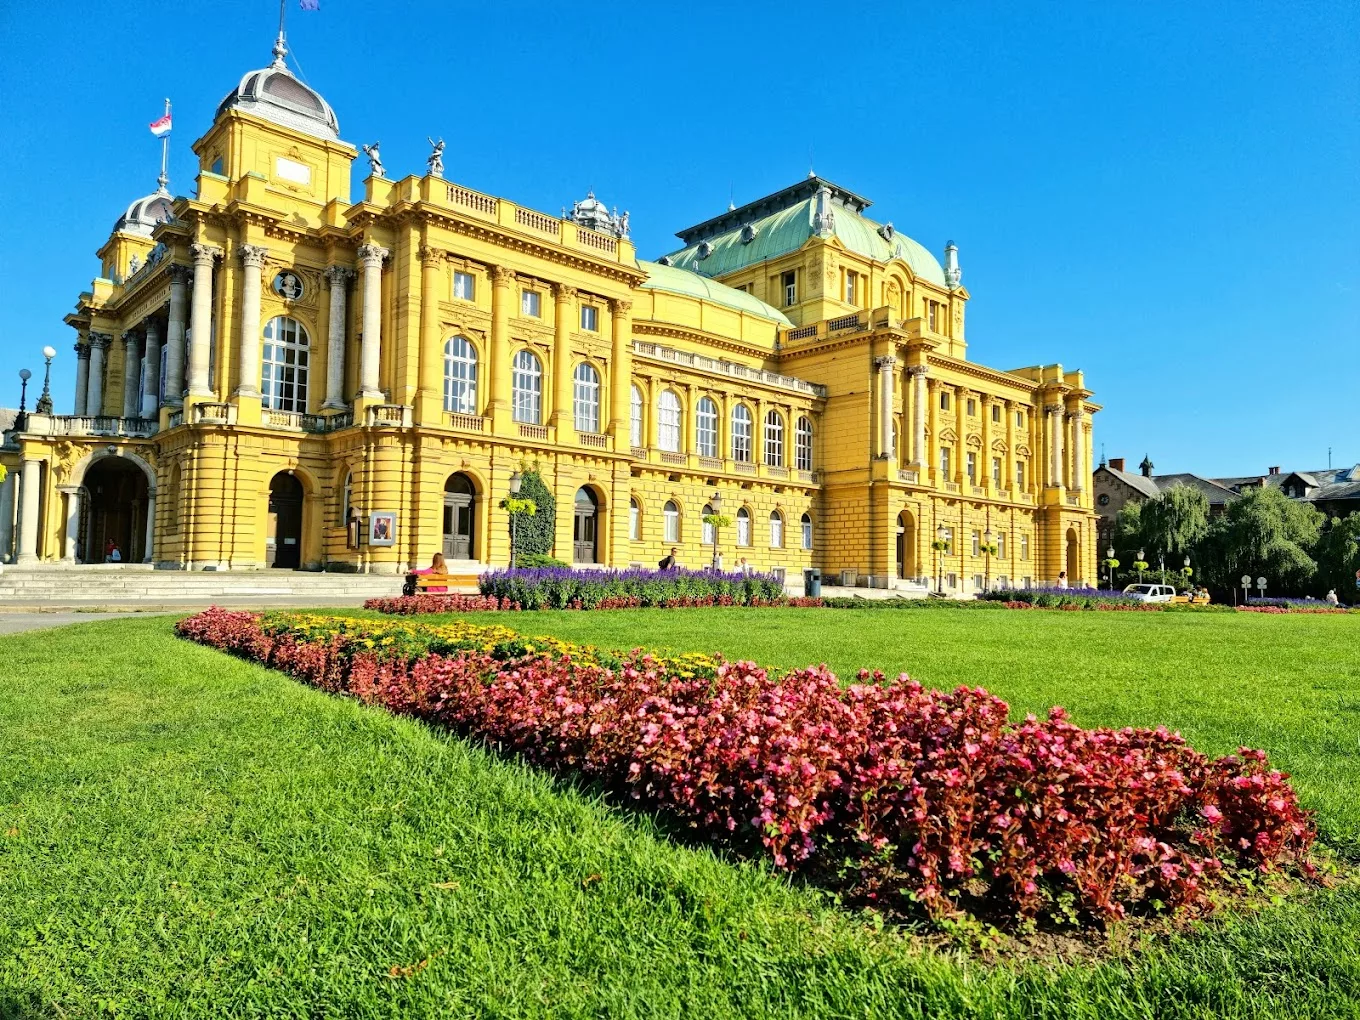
{"points": [[186, 835]]}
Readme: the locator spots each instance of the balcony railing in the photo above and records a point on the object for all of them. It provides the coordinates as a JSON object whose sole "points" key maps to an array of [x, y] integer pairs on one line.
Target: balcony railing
{"points": [[951, 487], [538, 432], [476, 201], [671, 457], [743, 468], [214, 414], [844, 322], [464, 422], [711, 463], [90, 425], [907, 475], [387, 415], [537, 221], [776, 472], [639, 452], [727, 368], [594, 440]]}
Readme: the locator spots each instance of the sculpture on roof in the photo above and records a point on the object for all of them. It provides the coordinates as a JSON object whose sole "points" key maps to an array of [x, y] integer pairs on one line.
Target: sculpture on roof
{"points": [[436, 160], [593, 214], [375, 163], [953, 275]]}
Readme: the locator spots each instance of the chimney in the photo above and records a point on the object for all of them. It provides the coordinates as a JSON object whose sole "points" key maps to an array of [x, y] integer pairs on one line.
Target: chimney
{"points": [[1117, 463], [1274, 471]]}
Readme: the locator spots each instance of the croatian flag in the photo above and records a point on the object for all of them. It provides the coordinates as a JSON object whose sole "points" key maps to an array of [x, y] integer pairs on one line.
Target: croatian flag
{"points": [[310, 5], [160, 128]]}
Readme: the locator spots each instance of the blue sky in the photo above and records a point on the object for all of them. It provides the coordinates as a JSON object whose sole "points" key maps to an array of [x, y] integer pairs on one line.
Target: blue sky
{"points": [[1164, 195]]}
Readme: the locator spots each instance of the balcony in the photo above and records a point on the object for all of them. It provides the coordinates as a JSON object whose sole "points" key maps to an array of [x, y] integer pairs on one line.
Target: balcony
{"points": [[464, 422], [593, 440], [727, 368], [909, 476], [90, 425], [298, 422], [535, 432], [387, 415], [673, 458]]}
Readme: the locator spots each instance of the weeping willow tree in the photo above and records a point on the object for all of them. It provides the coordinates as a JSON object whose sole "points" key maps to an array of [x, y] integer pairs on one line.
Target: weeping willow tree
{"points": [[1173, 523], [1264, 534]]}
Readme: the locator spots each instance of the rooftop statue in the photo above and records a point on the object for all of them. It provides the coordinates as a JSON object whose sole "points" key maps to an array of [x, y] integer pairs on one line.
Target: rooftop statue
{"points": [[436, 160], [375, 163]]}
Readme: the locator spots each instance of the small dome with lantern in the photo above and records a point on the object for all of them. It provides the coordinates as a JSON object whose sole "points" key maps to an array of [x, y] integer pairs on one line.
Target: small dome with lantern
{"points": [[593, 214], [274, 94], [143, 215]]}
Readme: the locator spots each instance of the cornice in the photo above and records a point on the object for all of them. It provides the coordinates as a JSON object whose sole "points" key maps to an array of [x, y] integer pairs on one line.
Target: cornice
{"points": [[972, 368], [709, 340]]}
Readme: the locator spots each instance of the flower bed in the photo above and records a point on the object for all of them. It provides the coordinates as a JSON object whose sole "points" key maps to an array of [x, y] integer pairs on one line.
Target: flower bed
{"points": [[413, 605], [558, 588], [886, 792], [1288, 605], [1061, 598]]}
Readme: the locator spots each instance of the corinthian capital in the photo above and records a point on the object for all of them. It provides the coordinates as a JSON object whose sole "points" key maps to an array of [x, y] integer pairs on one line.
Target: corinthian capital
{"points": [[372, 255], [205, 254], [82, 350], [338, 276], [179, 273], [101, 340], [915, 370], [564, 291], [129, 338], [252, 255], [885, 363], [502, 276], [431, 258], [621, 306], [1052, 408]]}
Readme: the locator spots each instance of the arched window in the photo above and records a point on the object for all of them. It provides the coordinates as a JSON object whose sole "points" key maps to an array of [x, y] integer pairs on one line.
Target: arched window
{"points": [[668, 422], [776, 530], [460, 376], [708, 528], [587, 402], [635, 418], [634, 519], [807, 531], [706, 428], [743, 527], [774, 439], [526, 382], [802, 445], [741, 434], [671, 513], [346, 498], [283, 374]]}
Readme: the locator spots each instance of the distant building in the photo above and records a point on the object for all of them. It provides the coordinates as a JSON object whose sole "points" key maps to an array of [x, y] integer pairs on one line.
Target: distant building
{"points": [[1334, 491], [1115, 488]]}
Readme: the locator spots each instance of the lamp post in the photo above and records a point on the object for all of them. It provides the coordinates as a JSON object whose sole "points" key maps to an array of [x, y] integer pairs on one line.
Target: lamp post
{"points": [[1109, 566], [941, 543], [716, 503], [21, 419], [1142, 564], [515, 482], [987, 568], [44, 405]]}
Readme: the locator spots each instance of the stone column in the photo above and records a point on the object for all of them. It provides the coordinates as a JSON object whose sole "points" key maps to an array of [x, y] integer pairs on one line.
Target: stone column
{"points": [[248, 359], [1053, 413], [885, 366], [150, 527], [174, 336], [338, 277], [932, 461], [621, 377], [151, 371], [132, 370], [7, 517], [200, 319], [29, 484], [82, 377], [1011, 455], [94, 401], [917, 374], [72, 522], [371, 258], [1078, 465], [563, 415], [985, 468], [430, 394], [502, 280]]}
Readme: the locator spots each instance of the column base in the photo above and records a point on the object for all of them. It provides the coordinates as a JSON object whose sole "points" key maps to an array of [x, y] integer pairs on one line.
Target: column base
{"points": [[335, 405]]}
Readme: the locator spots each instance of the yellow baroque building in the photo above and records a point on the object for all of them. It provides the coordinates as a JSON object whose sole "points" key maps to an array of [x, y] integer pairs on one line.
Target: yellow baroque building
{"points": [[274, 373]]}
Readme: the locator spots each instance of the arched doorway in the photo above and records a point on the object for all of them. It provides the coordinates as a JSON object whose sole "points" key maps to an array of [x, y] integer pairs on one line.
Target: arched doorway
{"points": [[906, 545], [1073, 557], [585, 529], [115, 512], [283, 541], [459, 499]]}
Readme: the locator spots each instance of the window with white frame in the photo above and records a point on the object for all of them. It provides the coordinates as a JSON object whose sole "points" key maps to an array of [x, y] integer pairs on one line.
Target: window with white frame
{"points": [[634, 520], [1019, 419], [668, 421], [944, 400], [807, 531], [1001, 546], [706, 427], [977, 582], [635, 417], [283, 371], [789, 281], [590, 318], [1020, 475], [977, 544], [996, 471], [802, 445], [1024, 550], [460, 376], [972, 467], [741, 434], [526, 384], [464, 286], [708, 531], [996, 413], [586, 398], [945, 454], [776, 530], [671, 514], [743, 527], [530, 304], [774, 439]]}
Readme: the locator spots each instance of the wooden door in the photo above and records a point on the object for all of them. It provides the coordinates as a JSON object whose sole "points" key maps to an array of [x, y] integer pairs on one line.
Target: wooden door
{"points": [[585, 528], [283, 540], [458, 518]]}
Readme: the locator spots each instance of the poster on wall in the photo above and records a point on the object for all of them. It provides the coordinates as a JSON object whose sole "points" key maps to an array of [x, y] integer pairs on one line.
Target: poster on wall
{"points": [[382, 527]]}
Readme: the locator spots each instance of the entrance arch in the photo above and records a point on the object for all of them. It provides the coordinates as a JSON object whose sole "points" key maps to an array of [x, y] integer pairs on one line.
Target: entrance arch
{"points": [[460, 498], [283, 540], [586, 527], [1073, 556], [906, 545], [114, 512]]}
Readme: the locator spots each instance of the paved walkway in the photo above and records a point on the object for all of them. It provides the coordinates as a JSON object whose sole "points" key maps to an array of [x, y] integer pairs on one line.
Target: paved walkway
{"points": [[15, 623]]}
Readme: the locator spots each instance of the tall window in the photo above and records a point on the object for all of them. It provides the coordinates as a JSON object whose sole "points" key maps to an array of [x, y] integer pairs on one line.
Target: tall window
{"points": [[708, 528], [776, 530], [972, 467], [944, 400], [283, 374], [529, 305], [996, 412], [464, 287], [743, 527], [590, 318], [671, 514], [706, 427], [1019, 419], [526, 383], [852, 287], [346, 496], [634, 519], [1024, 550], [460, 376], [741, 434], [1001, 546], [586, 382], [789, 281], [996, 471], [774, 439], [944, 463], [972, 408], [802, 445], [1020, 475], [977, 544], [668, 421], [807, 531], [635, 417]]}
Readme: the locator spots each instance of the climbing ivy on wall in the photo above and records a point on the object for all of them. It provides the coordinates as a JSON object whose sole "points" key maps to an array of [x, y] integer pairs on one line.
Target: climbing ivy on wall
{"points": [[535, 532]]}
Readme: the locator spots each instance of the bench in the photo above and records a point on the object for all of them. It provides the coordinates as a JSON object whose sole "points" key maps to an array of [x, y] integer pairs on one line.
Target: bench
{"points": [[419, 582]]}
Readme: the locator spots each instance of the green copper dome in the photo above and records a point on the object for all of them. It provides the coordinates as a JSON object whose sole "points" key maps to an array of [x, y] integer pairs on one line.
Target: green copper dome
{"points": [[675, 280]]}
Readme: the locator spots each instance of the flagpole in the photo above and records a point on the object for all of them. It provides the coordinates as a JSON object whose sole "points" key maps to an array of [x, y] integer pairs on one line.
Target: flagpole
{"points": [[164, 178]]}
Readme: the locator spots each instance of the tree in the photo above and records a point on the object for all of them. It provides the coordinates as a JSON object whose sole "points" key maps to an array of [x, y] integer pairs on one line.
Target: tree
{"points": [[1337, 552], [1173, 523], [534, 532], [1264, 534]]}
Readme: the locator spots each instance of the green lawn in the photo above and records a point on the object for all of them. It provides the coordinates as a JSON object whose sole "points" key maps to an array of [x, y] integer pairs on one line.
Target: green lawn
{"points": [[186, 835]]}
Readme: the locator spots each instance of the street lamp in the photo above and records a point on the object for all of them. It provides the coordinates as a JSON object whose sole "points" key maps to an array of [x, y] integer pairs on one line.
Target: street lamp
{"points": [[941, 542], [987, 569], [44, 405], [1142, 564], [716, 503], [21, 419], [516, 480], [1109, 567]]}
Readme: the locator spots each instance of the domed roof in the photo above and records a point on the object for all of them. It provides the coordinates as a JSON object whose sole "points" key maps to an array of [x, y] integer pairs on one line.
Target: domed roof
{"points": [[273, 94], [675, 280], [143, 215]]}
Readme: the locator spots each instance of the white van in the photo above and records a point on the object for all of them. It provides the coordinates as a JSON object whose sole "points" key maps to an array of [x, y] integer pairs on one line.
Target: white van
{"points": [[1151, 592]]}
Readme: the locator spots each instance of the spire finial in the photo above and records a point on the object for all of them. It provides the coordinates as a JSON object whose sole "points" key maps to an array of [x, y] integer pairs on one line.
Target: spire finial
{"points": [[280, 45]]}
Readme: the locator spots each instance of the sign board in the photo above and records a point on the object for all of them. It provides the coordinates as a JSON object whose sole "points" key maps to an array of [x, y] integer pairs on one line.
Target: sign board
{"points": [[382, 527]]}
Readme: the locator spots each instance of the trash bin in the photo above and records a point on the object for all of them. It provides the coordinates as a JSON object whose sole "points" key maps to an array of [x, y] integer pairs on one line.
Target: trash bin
{"points": [[812, 583]]}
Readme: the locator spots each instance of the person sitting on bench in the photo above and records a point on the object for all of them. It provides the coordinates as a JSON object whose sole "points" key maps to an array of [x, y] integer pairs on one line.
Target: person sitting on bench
{"points": [[436, 566]]}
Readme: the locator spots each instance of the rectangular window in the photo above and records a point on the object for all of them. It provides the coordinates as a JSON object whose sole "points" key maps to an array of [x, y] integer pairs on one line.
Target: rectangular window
{"points": [[807, 532], [1001, 546], [1029, 582], [1020, 475], [972, 408], [996, 471], [1024, 552], [930, 314], [944, 400], [590, 318], [945, 453], [953, 580], [1019, 419], [977, 582], [529, 304], [789, 281], [972, 468], [851, 287], [634, 522], [464, 287], [996, 413], [977, 544]]}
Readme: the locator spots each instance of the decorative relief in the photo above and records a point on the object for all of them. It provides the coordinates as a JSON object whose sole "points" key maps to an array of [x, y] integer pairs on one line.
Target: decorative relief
{"points": [[621, 306], [948, 436], [502, 276]]}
